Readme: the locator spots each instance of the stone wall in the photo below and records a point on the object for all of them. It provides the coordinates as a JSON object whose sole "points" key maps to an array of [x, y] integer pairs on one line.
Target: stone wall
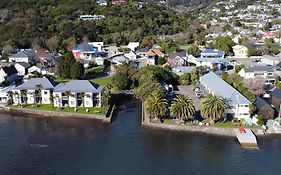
{"points": [[44, 113]]}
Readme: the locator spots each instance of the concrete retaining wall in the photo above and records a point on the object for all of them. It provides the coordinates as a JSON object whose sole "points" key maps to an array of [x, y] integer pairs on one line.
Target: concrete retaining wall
{"points": [[196, 129], [44, 113]]}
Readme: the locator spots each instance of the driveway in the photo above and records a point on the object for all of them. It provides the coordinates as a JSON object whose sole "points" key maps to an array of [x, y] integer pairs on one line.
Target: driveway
{"points": [[188, 90]]}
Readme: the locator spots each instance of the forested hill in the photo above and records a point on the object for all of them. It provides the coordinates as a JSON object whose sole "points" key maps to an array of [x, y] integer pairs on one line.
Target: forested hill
{"points": [[24, 20]]}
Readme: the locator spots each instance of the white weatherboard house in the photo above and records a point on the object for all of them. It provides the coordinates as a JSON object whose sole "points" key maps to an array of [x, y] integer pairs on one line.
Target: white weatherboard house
{"points": [[23, 56], [78, 93], [22, 68], [240, 51], [257, 71], [239, 105], [38, 90]]}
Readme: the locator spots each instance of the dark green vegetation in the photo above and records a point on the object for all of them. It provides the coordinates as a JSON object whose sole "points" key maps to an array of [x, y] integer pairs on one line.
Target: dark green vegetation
{"points": [[56, 23], [69, 68]]}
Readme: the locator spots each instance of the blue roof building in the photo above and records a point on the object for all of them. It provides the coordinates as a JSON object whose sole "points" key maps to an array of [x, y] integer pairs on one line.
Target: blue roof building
{"points": [[212, 53]]}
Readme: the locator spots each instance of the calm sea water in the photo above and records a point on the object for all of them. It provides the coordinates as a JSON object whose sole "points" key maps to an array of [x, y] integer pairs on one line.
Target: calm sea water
{"points": [[30, 146]]}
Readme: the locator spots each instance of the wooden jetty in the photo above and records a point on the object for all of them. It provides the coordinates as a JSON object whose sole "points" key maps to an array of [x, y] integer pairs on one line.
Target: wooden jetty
{"points": [[246, 137]]}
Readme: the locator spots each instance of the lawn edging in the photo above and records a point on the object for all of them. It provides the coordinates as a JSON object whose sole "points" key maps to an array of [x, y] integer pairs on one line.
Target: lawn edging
{"points": [[46, 113]]}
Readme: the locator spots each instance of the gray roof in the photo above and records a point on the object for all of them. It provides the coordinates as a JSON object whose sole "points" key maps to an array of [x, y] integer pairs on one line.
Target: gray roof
{"points": [[25, 53], [79, 86], [32, 83], [11, 70], [276, 93], [259, 69], [183, 69], [259, 102], [24, 64], [221, 88]]}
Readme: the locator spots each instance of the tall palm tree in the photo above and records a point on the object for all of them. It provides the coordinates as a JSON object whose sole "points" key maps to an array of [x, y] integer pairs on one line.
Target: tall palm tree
{"points": [[23, 94], [10, 96], [68, 94], [82, 96], [39, 88], [182, 107], [157, 106], [213, 107]]}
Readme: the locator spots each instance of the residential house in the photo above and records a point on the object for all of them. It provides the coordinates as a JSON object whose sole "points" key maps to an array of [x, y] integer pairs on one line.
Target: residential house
{"points": [[142, 52], [155, 53], [264, 109], [119, 59], [119, 2], [98, 45], [84, 51], [102, 2], [211, 63], [275, 100], [257, 71], [212, 53], [240, 51], [22, 68], [38, 68], [133, 45], [238, 104], [38, 90], [176, 59], [270, 60], [23, 56], [183, 69], [131, 55], [9, 73], [83, 93]]}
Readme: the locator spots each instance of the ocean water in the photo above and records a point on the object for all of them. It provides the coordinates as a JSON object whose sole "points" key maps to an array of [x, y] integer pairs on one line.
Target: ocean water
{"points": [[36, 146]]}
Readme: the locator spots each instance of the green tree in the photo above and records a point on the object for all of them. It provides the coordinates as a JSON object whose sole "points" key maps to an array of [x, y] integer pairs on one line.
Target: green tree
{"points": [[121, 81], [64, 65], [252, 109], [185, 79], [182, 107], [11, 97], [161, 61], [82, 96], [156, 106], [77, 70], [213, 107], [23, 94], [38, 96], [225, 44], [68, 94]]}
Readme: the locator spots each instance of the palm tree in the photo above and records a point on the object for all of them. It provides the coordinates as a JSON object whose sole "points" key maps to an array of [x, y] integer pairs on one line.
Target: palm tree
{"points": [[157, 106], [82, 96], [23, 94], [182, 107], [39, 88], [11, 96], [68, 94], [213, 107]]}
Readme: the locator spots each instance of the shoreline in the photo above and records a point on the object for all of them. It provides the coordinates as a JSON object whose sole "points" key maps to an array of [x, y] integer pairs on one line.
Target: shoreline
{"points": [[57, 114], [208, 130]]}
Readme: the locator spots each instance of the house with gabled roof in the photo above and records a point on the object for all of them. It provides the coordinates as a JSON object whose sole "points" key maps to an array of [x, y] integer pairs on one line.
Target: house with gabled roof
{"points": [[38, 90], [264, 108], [27, 56], [84, 51], [22, 68], [257, 71], [78, 93], [176, 59], [238, 104], [9, 73], [212, 53]]}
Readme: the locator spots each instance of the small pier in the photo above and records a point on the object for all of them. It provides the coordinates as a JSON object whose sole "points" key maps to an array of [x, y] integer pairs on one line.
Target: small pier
{"points": [[246, 137]]}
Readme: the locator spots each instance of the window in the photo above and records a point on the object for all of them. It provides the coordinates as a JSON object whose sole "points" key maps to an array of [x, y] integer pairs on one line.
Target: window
{"points": [[45, 99], [45, 92], [72, 102]]}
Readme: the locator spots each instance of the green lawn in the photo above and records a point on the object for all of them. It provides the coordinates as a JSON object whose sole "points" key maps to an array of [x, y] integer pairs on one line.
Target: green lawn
{"points": [[94, 70], [102, 81], [49, 107], [229, 124], [62, 80]]}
